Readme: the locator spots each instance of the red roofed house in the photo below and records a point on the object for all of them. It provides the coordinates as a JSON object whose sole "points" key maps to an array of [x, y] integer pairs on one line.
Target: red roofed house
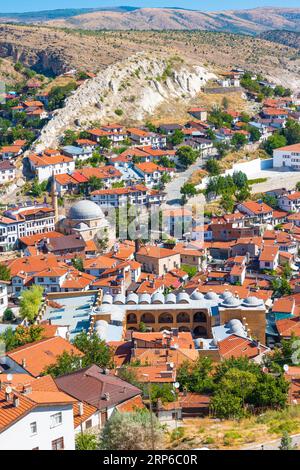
{"points": [[269, 257], [260, 212]]}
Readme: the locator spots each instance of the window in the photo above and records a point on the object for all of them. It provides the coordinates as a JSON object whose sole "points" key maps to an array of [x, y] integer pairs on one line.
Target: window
{"points": [[33, 428], [58, 444], [56, 419], [88, 424]]}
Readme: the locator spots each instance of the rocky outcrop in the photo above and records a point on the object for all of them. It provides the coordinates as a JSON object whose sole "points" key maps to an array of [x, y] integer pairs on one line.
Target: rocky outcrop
{"points": [[130, 90]]}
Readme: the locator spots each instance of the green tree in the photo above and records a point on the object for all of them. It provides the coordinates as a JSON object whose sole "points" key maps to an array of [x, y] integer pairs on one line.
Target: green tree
{"points": [[65, 364], [24, 335], [95, 350], [86, 441], [132, 431], [227, 405], [227, 203], [176, 138], [286, 442], [188, 190], [95, 183], [164, 392], [273, 142], [196, 376], [77, 262], [8, 315], [254, 133], [165, 178], [238, 140], [292, 132], [186, 155], [213, 167], [30, 302], [4, 272], [69, 137], [105, 142]]}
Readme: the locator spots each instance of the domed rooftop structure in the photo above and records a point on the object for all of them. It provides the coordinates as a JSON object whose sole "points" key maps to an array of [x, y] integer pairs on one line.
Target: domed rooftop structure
{"points": [[211, 296], [237, 327], [171, 298], [252, 301], [230, 302], [183, 298], [158, 298], [132, 298], [145, 299], [196, 295], [85, 210], [226, 294], [107, 299], [119, 299]]}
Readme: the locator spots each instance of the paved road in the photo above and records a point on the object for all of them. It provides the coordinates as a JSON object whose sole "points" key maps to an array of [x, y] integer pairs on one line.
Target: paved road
{"points": [[172, 189], [272, 445]]}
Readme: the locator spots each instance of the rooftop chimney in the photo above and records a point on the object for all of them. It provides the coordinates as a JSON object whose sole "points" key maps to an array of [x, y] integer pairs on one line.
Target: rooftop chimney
{"points": [[16, 401], [23, 363], [80, 409]]}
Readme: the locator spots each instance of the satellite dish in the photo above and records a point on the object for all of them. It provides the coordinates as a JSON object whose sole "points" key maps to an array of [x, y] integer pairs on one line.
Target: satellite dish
{"points": [[176, 384], [9, 377], [286, 368], [8, 389]]}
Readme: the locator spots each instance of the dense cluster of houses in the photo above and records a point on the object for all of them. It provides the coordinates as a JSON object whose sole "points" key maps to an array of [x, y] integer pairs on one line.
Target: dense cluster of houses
{"points": [[206, 293]]}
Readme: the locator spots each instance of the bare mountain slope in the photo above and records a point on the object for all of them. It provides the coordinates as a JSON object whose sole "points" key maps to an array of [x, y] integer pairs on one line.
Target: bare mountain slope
{"points": [[251, 21], [52, 50]]}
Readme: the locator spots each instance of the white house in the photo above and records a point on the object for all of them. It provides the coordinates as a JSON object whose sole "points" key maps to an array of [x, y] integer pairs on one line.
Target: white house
{"points": [[24, 221], [7, 172], [290, 202], [288, 156], [45, 166], [3, 296], [35, 415]]}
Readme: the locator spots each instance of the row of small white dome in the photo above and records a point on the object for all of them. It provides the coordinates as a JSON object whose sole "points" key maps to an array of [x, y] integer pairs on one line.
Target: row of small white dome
{"points": [[226, 299]]}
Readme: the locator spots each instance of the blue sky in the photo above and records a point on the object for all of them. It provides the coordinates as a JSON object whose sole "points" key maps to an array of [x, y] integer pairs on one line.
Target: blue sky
{"points": [[34, 5]]}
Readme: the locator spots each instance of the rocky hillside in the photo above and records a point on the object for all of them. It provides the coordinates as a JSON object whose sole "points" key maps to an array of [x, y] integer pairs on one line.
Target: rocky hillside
{"points": [[288, 38], [54, 51], [251, 21], [128, 91]]}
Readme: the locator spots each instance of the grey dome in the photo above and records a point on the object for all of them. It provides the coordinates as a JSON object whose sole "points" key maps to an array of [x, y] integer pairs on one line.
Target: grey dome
{"points": [[132, 298], [120, 299], [145, 299], [183, 297], [171, 299], [252, 302], [226, 294], [231, 302], [107, 299], [158, 298], [196, 295], [85, 210], [211, 296], [237, 327]]}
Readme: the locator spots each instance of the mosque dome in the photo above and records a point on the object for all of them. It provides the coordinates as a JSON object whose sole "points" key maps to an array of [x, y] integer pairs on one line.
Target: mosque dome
{"points": [[85, 210]]}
